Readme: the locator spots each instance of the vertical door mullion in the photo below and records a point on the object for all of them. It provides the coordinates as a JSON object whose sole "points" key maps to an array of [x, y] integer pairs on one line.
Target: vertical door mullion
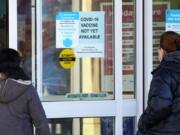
{"points": [[118, 65], [12, 24], [139, 57], [39, 45], [147, 46], [33, 42]]}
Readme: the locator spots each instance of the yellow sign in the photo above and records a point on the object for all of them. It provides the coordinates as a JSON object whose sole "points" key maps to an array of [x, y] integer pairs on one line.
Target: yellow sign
{"points": [[67, 58]]}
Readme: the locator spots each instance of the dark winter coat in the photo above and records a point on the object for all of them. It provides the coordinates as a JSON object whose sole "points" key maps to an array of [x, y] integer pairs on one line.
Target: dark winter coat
{"points": [[20, 108], [162, 115]]}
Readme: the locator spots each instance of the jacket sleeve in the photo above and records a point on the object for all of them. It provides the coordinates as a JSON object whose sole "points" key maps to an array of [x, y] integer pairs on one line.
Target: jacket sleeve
{"points": [[159, 101], [37, 113]]}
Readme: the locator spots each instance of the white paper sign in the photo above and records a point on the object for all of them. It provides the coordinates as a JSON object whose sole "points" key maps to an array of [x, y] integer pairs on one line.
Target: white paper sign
{"points": [[83, 31], [91, 36], [67, 29], [173, 20]]}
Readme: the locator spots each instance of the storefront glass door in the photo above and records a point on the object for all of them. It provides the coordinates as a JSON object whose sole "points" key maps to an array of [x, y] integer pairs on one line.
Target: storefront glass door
{"points": [[81, 56]]}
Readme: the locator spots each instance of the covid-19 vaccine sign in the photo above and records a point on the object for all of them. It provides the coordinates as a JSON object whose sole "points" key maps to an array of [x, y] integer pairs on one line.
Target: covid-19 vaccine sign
{"points": [[82, 31], [173, 20]]}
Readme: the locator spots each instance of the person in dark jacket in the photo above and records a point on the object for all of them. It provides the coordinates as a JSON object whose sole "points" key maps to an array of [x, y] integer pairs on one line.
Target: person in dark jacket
{"points": [[162, 114], [20, 106]]}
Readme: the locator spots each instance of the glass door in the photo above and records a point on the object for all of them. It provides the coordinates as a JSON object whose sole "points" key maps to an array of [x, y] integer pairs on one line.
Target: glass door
{"points": [[132, 63], [81, 56], [82, 97], [155, 25], [22, 33]]}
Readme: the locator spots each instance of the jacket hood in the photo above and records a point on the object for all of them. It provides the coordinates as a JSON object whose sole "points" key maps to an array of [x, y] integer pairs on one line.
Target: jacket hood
{"points": [[11, 89]]}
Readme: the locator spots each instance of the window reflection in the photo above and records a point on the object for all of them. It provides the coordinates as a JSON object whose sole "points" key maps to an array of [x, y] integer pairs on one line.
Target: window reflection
{"points": [[90, 126], [159, 8], [25, 34], [128, 48], [129, 126], [56, 80], [82, 126], [90, 78]]}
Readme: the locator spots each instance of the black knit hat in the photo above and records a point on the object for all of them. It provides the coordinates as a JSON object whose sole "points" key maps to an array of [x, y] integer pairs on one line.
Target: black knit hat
{"points": [[9, 58], [10, 64]]}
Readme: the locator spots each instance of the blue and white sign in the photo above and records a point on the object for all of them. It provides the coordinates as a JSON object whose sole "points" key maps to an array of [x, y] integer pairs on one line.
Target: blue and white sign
{"points": [[173, 20], [67, 29], [83, 31]]}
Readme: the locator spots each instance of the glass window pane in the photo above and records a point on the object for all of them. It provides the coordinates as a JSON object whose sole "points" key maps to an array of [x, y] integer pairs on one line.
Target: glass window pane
{"points": [[92, 75], [159, 8], [82, 126], [129, 126], [3, 24], [25, 45], [128, 48]]}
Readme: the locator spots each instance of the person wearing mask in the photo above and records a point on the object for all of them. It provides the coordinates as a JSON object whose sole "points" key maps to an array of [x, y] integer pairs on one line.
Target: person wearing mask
{"points": [[20, 106], [162, 114]]}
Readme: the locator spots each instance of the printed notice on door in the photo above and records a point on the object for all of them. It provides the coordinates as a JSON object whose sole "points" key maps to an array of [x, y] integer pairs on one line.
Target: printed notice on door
{"points": [[67, 29], [82, 31], [173, 20], [91, 36]]}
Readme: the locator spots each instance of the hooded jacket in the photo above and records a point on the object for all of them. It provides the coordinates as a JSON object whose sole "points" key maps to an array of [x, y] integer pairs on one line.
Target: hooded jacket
{"points": [[162, 115], [20, 108]]}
